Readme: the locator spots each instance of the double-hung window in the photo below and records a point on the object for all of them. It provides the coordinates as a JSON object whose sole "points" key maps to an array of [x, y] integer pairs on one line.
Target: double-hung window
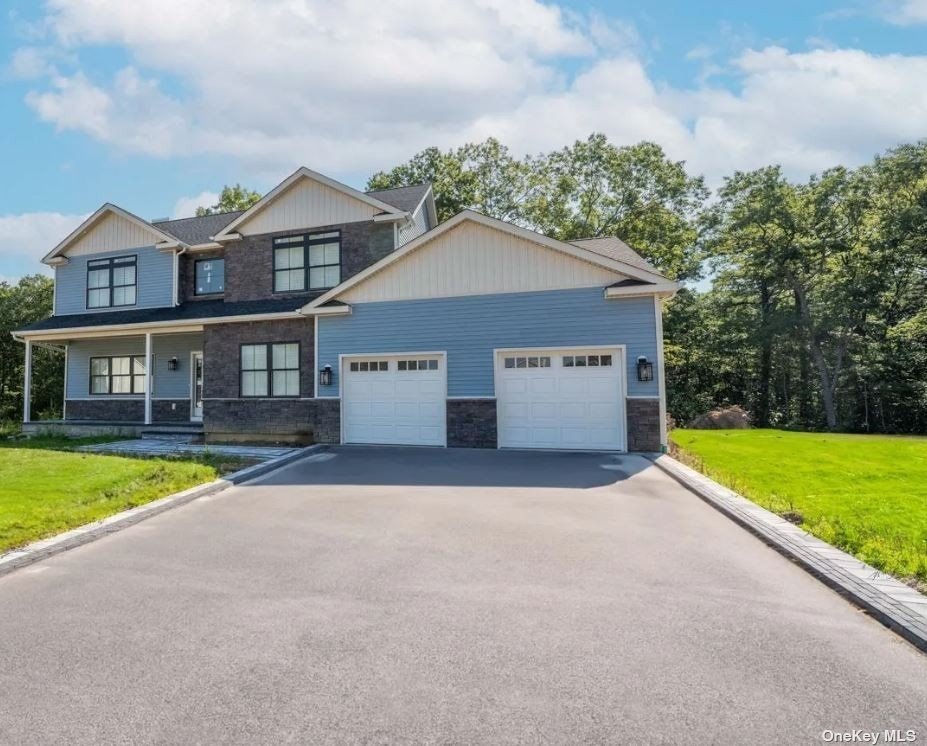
{"points": [[311, 261], [118, 375], [111, 282], [270, 369]]}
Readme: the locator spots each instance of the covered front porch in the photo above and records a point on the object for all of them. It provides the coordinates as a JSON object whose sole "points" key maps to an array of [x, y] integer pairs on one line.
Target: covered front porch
{"points": [[124, 383]]}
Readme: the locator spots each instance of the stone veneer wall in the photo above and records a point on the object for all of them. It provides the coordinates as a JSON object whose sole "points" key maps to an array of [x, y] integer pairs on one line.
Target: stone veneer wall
{"points": [[643, 424], [170, 410], [221, 351], [274, 420], [226, 416], [249, 263], [128, 410], [471, 423], [106, 410]]}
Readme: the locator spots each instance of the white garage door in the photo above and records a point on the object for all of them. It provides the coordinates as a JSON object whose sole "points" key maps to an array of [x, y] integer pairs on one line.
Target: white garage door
{"points": [[394, 399], [571, 399]]}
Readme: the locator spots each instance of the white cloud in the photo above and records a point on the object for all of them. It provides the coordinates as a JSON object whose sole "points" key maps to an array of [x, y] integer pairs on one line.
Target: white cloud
{"points": [[185, 207], [905, 12], [278, 83], [807, 111], [26, 238]]}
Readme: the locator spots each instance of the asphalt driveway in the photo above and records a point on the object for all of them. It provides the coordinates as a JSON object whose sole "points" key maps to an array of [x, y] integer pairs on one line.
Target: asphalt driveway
{"points": [[384, 595]]}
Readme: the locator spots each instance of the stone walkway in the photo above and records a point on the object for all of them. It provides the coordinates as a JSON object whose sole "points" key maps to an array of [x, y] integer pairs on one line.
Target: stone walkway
{"points": [[157, 447], [893, 603]]}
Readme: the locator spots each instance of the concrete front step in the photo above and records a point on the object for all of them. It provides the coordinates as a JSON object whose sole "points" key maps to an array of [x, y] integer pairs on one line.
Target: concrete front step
{"points": [[177, 434]]}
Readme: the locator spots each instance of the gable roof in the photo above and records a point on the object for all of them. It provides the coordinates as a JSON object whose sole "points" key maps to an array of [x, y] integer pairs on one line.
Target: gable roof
{"points": [[297, 176], [621, 267], [405, 198], [197, 230], [615, 248], [165, 240]]}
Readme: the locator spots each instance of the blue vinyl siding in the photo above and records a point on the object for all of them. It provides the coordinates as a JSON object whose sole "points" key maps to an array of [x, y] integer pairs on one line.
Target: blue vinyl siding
{"points": [[469, 328], [168, 384], [154, 277]]}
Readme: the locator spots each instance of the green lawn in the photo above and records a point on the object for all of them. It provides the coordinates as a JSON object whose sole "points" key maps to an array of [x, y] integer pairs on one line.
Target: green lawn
{"points": [[44, 492], [866, 494]]}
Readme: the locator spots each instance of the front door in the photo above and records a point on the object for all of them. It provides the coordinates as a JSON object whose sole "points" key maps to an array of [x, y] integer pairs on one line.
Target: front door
{"points": [[196, 386]]}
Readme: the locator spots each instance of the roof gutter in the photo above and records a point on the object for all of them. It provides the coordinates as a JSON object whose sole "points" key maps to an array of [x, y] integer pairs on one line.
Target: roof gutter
{"points": [[172, 326], [664, 290], [392, 217]]}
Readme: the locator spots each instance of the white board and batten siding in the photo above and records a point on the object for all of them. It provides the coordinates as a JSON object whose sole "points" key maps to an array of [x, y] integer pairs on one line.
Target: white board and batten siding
{"points": [[306, 204], [473, 259], [111, 234]]}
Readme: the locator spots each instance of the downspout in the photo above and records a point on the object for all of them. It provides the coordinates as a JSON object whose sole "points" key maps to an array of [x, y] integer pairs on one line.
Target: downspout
{"points": [[177, 253]]}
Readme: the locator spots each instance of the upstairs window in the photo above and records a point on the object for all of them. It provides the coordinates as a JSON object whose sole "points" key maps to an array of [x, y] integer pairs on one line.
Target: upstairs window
{"points": [[311, 261], [209, 276], [111, 282]]}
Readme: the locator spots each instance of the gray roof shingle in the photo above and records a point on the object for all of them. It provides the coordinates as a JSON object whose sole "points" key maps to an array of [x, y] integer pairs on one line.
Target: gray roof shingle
{"points": [[204, 309], [197, 230], [615, 248], [404, 198]]}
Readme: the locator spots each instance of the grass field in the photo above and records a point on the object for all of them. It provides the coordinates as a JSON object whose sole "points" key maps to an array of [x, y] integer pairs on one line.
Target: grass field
{"points": [[866, 494], [44, 491]]}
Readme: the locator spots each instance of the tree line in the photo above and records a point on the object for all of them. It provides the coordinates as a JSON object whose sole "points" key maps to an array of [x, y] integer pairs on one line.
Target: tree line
{"points": [[802, 300]]}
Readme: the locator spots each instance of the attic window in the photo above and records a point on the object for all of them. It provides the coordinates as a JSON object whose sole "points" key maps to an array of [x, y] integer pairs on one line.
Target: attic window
{"points": [[310, 260]]}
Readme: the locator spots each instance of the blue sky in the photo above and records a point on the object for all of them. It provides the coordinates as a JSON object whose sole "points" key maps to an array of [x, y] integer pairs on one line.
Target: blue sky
{"points": [[155, 104]]}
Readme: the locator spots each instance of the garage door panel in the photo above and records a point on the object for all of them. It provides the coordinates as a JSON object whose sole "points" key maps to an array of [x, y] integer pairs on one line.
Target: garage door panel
{"points": [[388, 406], [573, 387], [517, 409], [431, 388], [562, 406], [546, 385], [515, 386], [430, 409], [573, 410]]}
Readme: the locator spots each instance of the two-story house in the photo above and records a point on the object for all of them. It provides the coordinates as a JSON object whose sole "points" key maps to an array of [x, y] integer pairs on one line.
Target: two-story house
{"points": [[328, 314]]}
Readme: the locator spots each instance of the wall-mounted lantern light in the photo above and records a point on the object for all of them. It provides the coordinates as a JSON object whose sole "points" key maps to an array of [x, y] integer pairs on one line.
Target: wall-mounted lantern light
{"points": [[173, 364], [644, 369], [325, 376]]}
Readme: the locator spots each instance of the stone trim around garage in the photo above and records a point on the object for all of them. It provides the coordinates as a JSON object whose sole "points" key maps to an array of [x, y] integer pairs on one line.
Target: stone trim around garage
{"points": [[471, 423], [643, 424]]}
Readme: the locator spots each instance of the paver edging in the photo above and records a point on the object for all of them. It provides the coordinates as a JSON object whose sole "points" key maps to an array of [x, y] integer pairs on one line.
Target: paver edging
{"points": [[878, 593], [44, 548]]}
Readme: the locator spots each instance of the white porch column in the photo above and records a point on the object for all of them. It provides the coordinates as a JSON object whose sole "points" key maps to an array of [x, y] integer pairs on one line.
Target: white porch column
{"points": [[27, 385], [149, 378]]}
